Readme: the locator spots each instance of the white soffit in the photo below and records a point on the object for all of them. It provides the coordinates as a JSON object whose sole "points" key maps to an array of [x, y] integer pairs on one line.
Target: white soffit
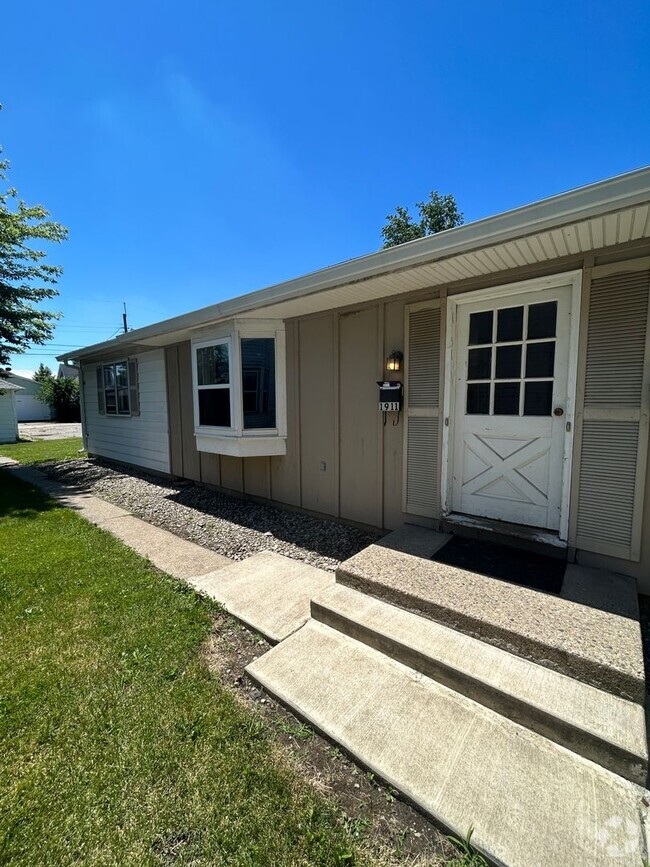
{"points": [[576, 238], [589, 218]]}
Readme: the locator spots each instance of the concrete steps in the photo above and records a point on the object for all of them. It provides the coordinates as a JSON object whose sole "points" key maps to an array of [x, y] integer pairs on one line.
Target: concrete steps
{"points": [[589, 632], [599, 726], [531, 801]]}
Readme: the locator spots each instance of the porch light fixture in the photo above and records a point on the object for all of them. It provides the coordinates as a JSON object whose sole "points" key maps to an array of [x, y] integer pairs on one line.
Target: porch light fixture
{"points": [[394, 360]]}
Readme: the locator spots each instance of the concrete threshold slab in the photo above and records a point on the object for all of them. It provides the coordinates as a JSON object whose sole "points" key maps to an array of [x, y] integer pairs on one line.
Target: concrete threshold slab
{"points": [[599, 726], [531, 802], [591, 632], [269, 592]]}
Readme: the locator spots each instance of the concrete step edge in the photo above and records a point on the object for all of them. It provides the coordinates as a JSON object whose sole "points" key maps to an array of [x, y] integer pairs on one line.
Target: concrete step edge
{"points": [[615, 756], [353, 574], [531, 801]]}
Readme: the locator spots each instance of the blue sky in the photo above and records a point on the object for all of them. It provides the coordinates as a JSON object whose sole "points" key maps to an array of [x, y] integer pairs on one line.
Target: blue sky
{"points": [[200, 150]]}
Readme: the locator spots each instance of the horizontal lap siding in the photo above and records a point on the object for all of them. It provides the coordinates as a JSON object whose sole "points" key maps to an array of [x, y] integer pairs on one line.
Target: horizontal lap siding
{"points": [[142, 440]]}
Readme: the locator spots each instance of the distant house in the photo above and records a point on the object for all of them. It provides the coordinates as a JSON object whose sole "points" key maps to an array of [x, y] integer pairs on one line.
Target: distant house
{"points": [[523, 344], [68, 371], [8, 420], [28, 407]]}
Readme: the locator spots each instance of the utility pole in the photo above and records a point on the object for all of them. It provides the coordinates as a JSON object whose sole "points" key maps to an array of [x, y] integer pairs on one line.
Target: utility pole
{"points": [[124, 318]]}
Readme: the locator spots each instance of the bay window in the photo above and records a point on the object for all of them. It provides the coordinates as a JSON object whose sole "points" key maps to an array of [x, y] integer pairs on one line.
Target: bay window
{"points": [[239, 390]]}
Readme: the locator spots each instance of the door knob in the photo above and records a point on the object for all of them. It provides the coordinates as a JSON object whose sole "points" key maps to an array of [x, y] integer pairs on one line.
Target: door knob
{"points": [[558, 411]]}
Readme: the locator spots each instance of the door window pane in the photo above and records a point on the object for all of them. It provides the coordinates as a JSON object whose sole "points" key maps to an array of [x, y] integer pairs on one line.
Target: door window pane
{"points": [[540, 359], [506, 398], [258, 382], [541, 320], [508, 362], [214, 407], [480, 327], [510, 324], [479, 365], [538, 398], [212, 365], [478, 398]]}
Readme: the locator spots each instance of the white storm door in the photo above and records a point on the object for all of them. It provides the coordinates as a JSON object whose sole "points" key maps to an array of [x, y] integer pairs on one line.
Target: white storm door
{"points": [[510, 413]]}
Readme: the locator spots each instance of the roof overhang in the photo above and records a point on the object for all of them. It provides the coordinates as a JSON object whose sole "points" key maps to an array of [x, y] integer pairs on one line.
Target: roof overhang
{"points": [[589, 218]]}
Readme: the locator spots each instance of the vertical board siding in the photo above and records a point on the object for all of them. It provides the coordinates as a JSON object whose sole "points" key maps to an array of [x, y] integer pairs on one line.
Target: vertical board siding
{"points": [[422, 456], [359, 491], [8, 425], [285, 469], [142, 440], [393, 434], [318, 427], [614, 443]]}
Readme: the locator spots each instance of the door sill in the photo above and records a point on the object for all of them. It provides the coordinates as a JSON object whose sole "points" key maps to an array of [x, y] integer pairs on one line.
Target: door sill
{"points": [[516, 535]]}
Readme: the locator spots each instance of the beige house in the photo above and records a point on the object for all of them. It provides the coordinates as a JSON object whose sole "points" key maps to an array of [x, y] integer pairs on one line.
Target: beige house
{"points": [[523, 345]]}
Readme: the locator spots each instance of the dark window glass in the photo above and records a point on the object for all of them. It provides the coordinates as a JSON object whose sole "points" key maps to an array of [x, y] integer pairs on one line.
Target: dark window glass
{"points": [[541, 320], [212, 365], [540, 359], [111, 401], [214, 407], [506, 398], [480, 327], [510, 324], [508, 362], [258, 382], [478, 398], [109, 376], [479, 364], [538, 398], [123, 401]]}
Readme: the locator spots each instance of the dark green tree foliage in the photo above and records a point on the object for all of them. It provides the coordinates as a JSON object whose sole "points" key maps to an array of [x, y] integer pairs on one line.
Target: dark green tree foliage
{"points": [[25, 279], [43, 374], [436, 214], [62, 396]]}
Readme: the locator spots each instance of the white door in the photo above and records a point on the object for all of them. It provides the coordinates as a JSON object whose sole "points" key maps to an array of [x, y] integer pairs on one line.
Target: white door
{"points": [[511, 400]]}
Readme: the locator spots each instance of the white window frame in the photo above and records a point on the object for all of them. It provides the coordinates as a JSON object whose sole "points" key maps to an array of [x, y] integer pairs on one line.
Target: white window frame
{"points": [[236, 440], [222, 341], [114, 364]]}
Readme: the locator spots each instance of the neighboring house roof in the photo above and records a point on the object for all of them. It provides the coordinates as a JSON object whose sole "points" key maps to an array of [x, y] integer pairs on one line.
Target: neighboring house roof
{"points": [[68, 371], [589, 218], [6, 385]]}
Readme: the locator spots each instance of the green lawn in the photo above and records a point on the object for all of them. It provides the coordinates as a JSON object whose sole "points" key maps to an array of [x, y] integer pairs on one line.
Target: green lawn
{"points": [[118, 746], [28, 452]]}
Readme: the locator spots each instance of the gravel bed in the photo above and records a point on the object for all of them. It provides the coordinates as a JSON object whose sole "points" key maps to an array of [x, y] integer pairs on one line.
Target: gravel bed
{"points": [[231, 526]]}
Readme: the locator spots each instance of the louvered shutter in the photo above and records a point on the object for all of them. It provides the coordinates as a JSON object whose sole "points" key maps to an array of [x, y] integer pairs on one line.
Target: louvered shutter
{"points": [[422, 470], [614, 444], [134, 389], [101, 397]]}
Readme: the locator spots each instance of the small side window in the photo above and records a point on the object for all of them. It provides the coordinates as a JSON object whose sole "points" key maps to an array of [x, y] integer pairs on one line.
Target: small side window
{"points": [[114, 389]]}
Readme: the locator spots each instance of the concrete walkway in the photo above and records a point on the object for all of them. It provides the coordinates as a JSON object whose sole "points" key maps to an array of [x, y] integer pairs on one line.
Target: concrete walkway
{"points": [[269, 592], [48, 430]]}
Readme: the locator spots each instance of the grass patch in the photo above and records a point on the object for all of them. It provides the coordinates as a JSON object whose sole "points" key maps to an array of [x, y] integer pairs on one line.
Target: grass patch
{"points": [[37, 451], [118, 746]]}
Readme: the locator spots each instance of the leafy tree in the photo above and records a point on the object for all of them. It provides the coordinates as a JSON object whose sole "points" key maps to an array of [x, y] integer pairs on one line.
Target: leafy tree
{"points": [[25, 279], [436, 214], [62, 396], [43, 374]]}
